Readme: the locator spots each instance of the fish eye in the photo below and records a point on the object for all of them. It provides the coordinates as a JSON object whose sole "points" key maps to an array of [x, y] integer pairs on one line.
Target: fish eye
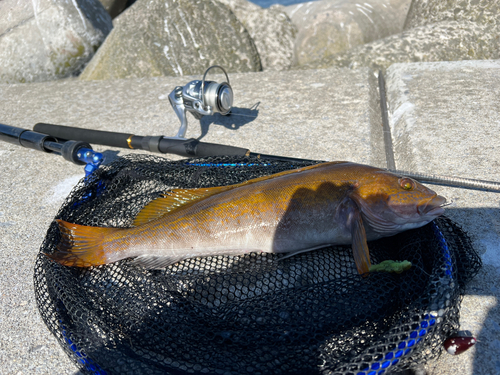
{"points": [[407, 184]]}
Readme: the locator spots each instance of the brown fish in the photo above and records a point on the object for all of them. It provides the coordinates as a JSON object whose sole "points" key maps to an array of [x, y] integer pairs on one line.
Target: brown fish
{"points": [[294, 211]]}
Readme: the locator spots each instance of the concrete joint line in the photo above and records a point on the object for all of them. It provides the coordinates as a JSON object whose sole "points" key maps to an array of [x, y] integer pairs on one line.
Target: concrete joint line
{"points": [[389, 150]]}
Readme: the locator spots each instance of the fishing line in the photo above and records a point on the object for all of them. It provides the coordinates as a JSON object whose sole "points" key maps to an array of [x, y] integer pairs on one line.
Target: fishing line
{"points": [[238, 114], [447, 204], [421, 269]]}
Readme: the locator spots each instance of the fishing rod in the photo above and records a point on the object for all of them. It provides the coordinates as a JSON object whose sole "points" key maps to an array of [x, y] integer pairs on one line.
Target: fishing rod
{"points": [[199, 97], [78, 152], [166, 145], [194, 148]]}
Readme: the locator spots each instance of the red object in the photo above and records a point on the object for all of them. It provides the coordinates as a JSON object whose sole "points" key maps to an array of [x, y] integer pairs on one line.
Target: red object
{"points": [[458, 345]]}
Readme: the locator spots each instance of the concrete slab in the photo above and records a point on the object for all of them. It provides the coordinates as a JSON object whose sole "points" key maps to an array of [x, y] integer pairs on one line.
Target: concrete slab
{"points": [[445, 119], [325, 114]]}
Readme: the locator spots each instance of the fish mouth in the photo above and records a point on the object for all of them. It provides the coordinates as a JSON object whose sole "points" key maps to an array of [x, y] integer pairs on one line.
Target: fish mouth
{"points": [[433, 207]]}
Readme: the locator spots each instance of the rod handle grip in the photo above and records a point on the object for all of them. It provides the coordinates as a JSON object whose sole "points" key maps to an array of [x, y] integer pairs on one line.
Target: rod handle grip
{"points": [[98, 137]]}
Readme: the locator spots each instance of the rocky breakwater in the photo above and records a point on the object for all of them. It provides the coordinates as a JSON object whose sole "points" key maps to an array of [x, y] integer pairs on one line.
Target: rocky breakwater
{"points": [[50, 39], [42, 40], [185, 37], [328, 27], [434, 30]]}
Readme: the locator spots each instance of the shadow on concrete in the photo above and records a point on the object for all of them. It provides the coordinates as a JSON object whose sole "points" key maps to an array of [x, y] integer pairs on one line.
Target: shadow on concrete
{"points": [[483, 226], [110, 156], [486, 288], [236, 119]]}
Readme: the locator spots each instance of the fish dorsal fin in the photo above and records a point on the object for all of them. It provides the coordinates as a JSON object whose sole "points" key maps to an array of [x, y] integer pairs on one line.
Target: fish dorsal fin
{"points": [[174, 199], [177, 198]]}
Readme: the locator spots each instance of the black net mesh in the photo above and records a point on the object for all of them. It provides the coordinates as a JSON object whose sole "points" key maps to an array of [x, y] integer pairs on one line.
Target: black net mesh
{"points": [[250, 314]]}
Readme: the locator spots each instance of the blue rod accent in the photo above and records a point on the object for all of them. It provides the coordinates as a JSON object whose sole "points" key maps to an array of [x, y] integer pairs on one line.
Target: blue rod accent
{"points": [[223, 165], [92, 159]]}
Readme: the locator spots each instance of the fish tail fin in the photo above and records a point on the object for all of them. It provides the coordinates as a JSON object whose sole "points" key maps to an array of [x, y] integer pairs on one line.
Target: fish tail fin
{"points": [[80, 245]]}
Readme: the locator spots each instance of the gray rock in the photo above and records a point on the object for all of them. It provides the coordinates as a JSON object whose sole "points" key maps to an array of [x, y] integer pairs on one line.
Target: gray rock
{"points": [[173, 38], [271, 30], [48, 39], [424, 12], [331, 26], [442, 41], [114, 7]]}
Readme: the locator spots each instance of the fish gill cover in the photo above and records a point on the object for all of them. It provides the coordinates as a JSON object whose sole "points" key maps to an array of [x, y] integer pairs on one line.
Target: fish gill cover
{"points": [[251, 314]]}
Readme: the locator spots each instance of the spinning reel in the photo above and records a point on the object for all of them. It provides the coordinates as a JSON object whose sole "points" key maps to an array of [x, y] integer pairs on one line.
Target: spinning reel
{"points": [[201, 98]]}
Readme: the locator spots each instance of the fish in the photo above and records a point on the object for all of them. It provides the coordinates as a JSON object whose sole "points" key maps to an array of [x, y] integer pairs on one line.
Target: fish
{"points": [[299, 210]]}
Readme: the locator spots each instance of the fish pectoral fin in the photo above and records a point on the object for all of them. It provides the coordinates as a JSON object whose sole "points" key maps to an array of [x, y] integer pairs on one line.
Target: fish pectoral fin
{"points": [[359, 246], [154, 262], [173, 200]]}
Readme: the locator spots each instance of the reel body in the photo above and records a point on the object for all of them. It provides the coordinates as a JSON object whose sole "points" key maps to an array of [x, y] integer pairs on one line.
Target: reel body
{"points": [[201, 98]]}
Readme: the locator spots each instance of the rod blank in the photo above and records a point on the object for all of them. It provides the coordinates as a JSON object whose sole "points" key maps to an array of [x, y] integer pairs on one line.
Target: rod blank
{"points": [[460, 182], [195, 148]]}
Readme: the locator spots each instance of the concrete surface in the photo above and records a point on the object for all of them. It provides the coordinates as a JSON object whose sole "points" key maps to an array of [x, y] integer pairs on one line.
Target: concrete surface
{"points": [[445, 119], [325, 114], [329, 114]]}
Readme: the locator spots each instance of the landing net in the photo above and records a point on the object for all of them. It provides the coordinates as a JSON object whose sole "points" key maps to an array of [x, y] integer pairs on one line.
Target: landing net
{"points": [[250, 314]]}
